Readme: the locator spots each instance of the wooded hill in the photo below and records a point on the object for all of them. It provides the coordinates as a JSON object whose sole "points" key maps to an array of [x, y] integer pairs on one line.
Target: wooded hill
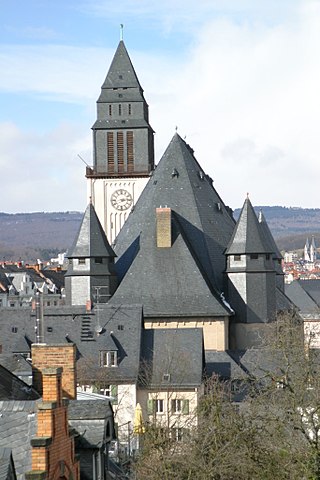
{"points": [[29, 236]]}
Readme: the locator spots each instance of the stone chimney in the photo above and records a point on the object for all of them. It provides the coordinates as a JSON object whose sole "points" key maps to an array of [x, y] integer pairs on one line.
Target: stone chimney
{"points": [[56, 355], [164, 236]]}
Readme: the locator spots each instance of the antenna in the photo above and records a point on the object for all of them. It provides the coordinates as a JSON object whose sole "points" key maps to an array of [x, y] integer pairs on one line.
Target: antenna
{"points": [[83, 160], [98, 328], [39, 319]]}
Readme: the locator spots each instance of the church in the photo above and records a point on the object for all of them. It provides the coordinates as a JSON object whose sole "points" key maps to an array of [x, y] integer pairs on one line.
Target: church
{"points": [[163, 288]]}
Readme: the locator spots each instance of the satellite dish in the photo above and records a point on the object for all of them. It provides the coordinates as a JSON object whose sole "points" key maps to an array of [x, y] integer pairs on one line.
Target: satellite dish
{"points": [[98, 329]]}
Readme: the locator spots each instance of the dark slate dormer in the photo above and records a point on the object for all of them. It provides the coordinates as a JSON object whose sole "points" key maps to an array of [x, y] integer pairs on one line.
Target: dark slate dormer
{"points": [[90, 276], [250, 269], [122, 136]]}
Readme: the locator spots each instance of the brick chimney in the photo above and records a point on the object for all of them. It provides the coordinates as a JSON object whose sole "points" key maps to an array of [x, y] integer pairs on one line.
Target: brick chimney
{"points": [[56, 355], [53, 450], [164, 237]]}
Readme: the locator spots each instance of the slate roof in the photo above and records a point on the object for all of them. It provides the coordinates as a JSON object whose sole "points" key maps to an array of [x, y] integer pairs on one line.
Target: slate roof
{"points": [[301, 298], [312, 287], [269, 237], [174, 352], [91, 240], [18, 424], [7, 470], [223, 365], [248, 236], [187, 278], [88, 417], [119, 326], [12, 388], [121, 72]]}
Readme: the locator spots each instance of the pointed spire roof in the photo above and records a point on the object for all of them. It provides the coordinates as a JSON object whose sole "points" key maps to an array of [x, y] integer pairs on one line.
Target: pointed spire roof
{"points": [[121, 72], [268, 236], [91, 240], [203, 226], [248, 236]]}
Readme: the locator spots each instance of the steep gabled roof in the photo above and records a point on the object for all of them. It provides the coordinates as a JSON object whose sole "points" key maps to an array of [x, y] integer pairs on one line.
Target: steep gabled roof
{"points": [[203, 227], [248, 236], [91, 240]]}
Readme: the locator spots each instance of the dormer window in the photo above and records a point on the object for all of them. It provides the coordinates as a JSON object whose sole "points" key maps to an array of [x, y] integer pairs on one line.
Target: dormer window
{"points": [[108, 358]]}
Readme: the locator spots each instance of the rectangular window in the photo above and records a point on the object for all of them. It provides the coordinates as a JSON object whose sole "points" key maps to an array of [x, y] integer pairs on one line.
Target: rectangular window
{"points": [[120, 109], [254, 256], [98, 260], [129, 109], [237, 258], [108, 358], [110, 151], [120, 155], [81, 261], [110, 110], [130, 157], [159, 406], [176, 405], [177, 434]]}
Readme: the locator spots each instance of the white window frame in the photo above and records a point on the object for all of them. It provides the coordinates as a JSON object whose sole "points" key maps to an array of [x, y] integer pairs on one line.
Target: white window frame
{"points": [[108, 358]]}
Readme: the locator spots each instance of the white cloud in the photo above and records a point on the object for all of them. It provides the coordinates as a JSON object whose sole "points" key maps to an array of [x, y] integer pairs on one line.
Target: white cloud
{"points": [[245, 95], [42, 172]]}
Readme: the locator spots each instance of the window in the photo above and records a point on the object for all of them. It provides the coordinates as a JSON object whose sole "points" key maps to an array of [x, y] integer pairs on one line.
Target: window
{"points": [[155, 406], [14, 329], [110, 391], [120, 327], [98, 260], [120, 109], [267, 256], [159, 407], [81, 261], [180, 406], [177, 434], [110, 110], [49, 329], [120, 77], [130, 155], [237, 258], [129, 109], [254, 256], [12, 304], [120, 156], [108, 358], [176, 405]]}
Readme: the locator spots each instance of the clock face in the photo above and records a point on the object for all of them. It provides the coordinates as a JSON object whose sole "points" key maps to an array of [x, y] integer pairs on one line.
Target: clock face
{"points": [[121, 199]]}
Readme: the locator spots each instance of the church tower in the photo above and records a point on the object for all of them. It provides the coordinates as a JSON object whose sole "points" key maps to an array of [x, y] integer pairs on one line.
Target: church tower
{"points": [[123, 145]]}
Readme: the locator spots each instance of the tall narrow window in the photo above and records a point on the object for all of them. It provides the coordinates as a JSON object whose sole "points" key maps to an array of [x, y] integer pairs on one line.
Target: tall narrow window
{"points": [[120, 109], [110, 150], [120, 152], [129, 109], [110, 110], [130, 158]]}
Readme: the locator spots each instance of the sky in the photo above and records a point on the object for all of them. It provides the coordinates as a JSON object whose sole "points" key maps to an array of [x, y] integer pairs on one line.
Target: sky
{"points": [[238, 79]]}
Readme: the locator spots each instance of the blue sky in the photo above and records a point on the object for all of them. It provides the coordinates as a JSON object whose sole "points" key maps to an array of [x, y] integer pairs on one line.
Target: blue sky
{"points": [[239, 78]]}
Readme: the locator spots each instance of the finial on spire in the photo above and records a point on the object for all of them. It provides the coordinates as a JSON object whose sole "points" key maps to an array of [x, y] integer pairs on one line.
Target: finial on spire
{"points": [[176, 128], [248, 195], [121, 31], [90, 200]]}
